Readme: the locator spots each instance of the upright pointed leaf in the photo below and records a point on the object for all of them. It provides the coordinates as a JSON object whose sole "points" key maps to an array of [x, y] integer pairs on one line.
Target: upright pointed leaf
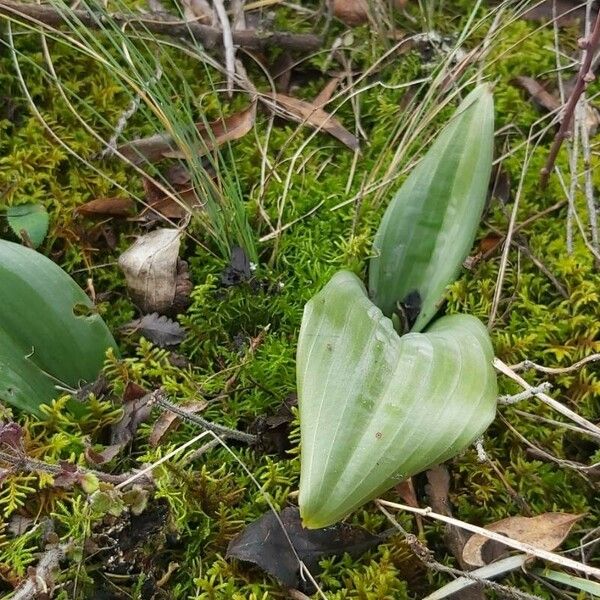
{"points": [[376, 408], [43, 343], [429, 226]]}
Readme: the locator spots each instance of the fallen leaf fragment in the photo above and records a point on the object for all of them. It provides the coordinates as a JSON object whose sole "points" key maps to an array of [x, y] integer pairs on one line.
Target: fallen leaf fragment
{"points": [[266, 544], [567, 12], [159, 329], [302, 111], [161, 145], [107, 207], [538, 93], [546, 532], [100, 457], [351, 12], [169, 421], [136, 409], [180, 202], [150, 267]]}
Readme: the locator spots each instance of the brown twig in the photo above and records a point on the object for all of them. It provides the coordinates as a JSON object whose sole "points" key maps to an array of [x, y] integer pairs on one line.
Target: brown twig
{"points": [[585, 75], [21, 462], [209, 37]]}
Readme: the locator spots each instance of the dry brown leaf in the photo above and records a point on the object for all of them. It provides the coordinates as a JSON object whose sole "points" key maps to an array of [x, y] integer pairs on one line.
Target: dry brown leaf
{"points": [[107, 207], [324, 96], [538, 93], [546, 532], [169, 421], [150, 267], [161, 145], [351, 12], [182, 201], [302, 111]]}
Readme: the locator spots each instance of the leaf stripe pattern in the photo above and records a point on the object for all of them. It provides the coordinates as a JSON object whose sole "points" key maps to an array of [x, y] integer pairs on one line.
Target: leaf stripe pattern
{"points": [[376, 408]]}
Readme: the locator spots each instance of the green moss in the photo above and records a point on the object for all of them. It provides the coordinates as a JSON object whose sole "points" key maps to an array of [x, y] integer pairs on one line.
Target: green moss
{"points": [[213, 498]]}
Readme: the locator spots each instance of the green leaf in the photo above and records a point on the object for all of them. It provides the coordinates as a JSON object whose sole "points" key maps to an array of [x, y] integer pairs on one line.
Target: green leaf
{"points": [[43, 343], [429, 227], [32, 219], [585, 585], [376, 408]]}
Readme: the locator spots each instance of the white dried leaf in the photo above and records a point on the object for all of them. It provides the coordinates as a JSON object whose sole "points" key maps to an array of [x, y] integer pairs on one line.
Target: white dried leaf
{"points": [[150, 267]]}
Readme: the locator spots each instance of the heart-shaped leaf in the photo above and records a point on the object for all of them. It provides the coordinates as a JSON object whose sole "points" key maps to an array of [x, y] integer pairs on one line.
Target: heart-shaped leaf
{"points": [[43, 343], [430, 225], [376, 408]]}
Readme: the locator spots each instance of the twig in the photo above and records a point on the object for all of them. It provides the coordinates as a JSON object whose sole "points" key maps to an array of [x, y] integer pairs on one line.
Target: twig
{"points": [[21, 462], [492, 535], [227, 43], [527, 364], [209, 37], [525, 394], [424, 555], [589, 44], [221, 430], [561, 408], [40, 580]]}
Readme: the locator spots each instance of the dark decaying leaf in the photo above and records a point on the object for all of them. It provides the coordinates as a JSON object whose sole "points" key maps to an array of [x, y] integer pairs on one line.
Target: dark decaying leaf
{"points": [[169, 421], [11, 435], [157, 147], [238, 269], [136, 409], [265, 544], [273, 431], [302, 111], [107, 207], [159, 329]]}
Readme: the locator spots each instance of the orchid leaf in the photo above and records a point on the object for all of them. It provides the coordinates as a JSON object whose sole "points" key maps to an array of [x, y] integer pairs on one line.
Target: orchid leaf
{"points": [[376, 408], [429, 227], [46, 343]]}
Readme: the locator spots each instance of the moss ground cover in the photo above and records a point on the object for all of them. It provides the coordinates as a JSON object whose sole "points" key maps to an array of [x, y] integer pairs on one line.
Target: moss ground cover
{"points": [[199, 506]]}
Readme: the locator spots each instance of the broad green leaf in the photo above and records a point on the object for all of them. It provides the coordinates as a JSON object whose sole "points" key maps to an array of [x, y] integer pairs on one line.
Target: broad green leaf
{"points": [[44, 345], [32, 219], [376, 408], [430, 225]]}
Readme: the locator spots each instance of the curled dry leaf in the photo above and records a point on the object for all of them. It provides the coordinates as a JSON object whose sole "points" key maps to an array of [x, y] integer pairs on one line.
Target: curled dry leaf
{"points": [[546, 532], [150, 267], [351, 12], [169, 421], [161, 145], [107, 207], [302, 111]]}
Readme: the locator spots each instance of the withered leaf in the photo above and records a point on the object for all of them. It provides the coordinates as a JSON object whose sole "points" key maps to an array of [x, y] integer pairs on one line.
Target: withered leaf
{"points": [[107, 207], [302, 111], [265, 544], [158, 329], [169, 421], [351, 12], [99, 457], [150, 267], [182, 199], [11, 435], [538, 93], [135, 411], [161, 145], [546, 532]]}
